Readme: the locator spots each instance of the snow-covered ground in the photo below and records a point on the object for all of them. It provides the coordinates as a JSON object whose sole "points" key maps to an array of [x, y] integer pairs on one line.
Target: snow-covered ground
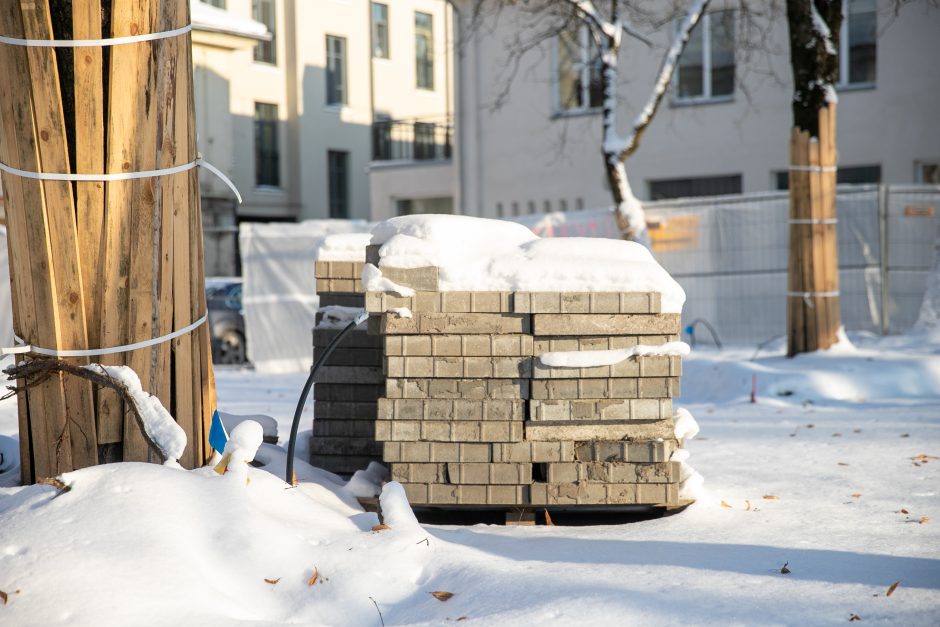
{"points": [[831, 473]]}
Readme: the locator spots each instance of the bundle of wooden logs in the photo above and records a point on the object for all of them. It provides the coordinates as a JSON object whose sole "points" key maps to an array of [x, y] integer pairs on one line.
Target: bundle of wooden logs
{"points": [[97, 262]]}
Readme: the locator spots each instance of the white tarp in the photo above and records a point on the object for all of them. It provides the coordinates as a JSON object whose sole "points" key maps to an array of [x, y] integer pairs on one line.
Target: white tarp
{"points": [[6, 298], [279, 294]]}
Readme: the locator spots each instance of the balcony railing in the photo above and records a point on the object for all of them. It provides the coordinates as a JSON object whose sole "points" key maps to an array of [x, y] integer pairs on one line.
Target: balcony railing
{"points": [[412, 140]]}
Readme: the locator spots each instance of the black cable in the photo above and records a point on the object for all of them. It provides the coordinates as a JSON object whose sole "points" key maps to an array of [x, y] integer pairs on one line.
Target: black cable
{"points": [[292, 442]]}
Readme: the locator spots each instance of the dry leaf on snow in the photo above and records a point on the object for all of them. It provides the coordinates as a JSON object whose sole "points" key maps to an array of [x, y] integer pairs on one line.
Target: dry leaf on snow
{"points": [[856, 495], [723, 504], [748, 508], [548, 519], [892, 588], [771, 497], [923, 519], [854, 617], [441, 595], [272, 581], [785, 570], [378, 528], [313, 577], [3, 597], [903, 511]]}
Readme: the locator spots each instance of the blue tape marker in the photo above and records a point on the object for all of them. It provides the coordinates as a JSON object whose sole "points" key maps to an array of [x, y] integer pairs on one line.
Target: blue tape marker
{"points": [[217, 435]]}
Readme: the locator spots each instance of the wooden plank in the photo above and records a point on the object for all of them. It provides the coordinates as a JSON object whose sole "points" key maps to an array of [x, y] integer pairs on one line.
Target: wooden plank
{"points": [[89, 155], [168, 51], [795, 343], [813, 252], [830, 261], [61, 230], [146, 219], [33, 290]]}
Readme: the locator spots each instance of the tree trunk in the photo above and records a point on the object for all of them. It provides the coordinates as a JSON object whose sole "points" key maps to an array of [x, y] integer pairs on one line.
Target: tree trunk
{"points": [[813, 317], [103, 264], [631, 219]]}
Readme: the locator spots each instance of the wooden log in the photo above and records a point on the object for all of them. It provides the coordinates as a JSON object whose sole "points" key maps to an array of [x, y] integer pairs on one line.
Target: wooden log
{"points": [[32, 287], [830, 256], [62, 229]]}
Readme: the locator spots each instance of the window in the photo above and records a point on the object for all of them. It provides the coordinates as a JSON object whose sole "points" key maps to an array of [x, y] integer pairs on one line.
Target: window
{"points": [[845, 175], [413, 206], [927, 172], [216, 3], [263, 11], [706, 68], [267, 160], [379, 30], [857, 52], [338, 175], [424, 50], [580, 72], [336, 71], [698, 186]]}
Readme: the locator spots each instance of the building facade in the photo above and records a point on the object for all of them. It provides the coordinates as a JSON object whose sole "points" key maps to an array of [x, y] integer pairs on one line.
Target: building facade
{"points": [[724, 126], [297, 117]]}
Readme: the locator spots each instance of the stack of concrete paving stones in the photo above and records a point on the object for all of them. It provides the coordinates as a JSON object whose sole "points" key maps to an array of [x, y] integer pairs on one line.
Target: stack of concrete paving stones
{"points": [[351, 380], [470, 416]]}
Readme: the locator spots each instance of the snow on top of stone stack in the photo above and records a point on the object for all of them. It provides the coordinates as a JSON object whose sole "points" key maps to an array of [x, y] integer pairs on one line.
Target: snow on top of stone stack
{"points": [[343, 247], [477, 254]]}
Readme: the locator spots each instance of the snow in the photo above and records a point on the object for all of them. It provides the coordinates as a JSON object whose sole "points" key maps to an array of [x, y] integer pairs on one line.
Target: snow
{"points": [[209, 18], [400, 312], [824, 473], [157, 421], [590, 359], [822, 30], [686, 426], [476, 254], [343, 247], [374, 281]]}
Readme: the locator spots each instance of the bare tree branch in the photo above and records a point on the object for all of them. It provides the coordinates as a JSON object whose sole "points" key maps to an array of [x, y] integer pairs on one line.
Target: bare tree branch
{"points": [[38, 368]]}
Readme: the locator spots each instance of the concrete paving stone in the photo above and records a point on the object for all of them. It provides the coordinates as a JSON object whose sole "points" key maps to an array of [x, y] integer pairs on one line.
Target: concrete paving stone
{"points": [[612, 472], [471, 494], [340, 299], [343, 464], [551, 343], [619, 451], [419, 473], [350, 374], [603, 409], [444, 345], [346, 286], [585, 493], [491, 302], [605, 324], [420, 279], [357, 338], [397, 431], [587, 302], [344, 410], [443, 451], [351, 356], [439, 367], [652, 493], [489, 473], [641, 366], [342, 392], [470, 431], [442, 494], [608, 389], [664, 472], [345, 446], [507, 494], [338, 269], [471, 389], [416, 492], [391, 452], [450, 323], [598, 430], [343, 428]]}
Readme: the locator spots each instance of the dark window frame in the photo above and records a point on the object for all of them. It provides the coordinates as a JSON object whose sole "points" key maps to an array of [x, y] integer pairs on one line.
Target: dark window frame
{"points": [[337, 84], [266, 51], [707, 69], [267, 146], [381, 41], [337, 172], [695, 186], [424, 65]]}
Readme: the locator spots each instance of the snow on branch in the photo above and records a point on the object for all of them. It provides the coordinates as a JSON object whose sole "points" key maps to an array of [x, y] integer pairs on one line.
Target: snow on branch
{"points": [[822, 30], [625, 147], [587, 9], [160, 431]]}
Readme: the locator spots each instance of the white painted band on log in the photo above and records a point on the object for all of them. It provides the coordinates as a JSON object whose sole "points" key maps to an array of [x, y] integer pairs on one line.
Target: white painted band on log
{"points": [[806, 296], [123, 176], [813, 168], [22, 347], [814, 221], [91, 43]]}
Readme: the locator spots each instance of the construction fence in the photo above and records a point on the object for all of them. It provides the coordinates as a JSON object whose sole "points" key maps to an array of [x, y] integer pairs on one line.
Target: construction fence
{"points": [[730, 253]]}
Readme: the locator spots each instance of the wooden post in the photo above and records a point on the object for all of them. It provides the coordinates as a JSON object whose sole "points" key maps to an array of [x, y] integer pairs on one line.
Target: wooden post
{"points": [[102, 264], [813, 276]]}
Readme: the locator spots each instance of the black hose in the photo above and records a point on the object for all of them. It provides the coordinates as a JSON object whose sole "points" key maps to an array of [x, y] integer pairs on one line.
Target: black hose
{"points": [[292, 442]]}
